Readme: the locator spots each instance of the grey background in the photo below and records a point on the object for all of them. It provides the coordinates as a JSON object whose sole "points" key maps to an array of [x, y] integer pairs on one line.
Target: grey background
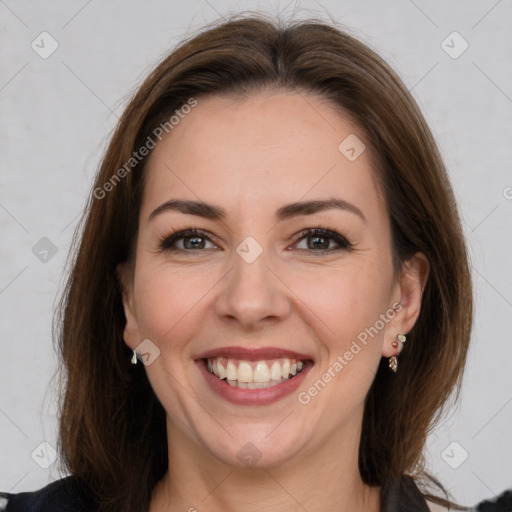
{"points": [[56, 115]]}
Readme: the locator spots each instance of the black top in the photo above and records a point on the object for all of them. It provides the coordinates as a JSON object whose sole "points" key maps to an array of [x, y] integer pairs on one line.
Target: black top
{"points": [[63, 495], [66, 495]]}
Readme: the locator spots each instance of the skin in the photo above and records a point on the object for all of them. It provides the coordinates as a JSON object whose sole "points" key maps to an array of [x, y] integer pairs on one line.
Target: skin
{"points": [[251, 157]]}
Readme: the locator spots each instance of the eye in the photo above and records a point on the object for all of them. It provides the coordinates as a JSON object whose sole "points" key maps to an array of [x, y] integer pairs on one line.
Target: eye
{"points": [[321, 240], [313, 240], [186, 240]]}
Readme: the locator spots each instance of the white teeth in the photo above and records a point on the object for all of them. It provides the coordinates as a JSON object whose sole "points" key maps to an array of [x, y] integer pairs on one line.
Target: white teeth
{"points": [[275, 371], [254, 374], [231, 372], [285, 369], [221, 371], [244, 372], [256, 385], [261, 372], [252, 385]]}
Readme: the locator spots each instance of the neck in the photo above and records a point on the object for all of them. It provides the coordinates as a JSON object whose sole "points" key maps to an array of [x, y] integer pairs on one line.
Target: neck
{"points": [[326, 479]]}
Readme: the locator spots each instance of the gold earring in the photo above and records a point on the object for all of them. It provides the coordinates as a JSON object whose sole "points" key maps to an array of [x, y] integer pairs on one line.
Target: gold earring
{"points": [[134, 357], [393, 360]]}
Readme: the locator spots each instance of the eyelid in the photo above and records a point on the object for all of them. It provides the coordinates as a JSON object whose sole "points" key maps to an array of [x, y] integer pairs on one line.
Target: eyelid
{"points": [[165, 243], [342, 241]]}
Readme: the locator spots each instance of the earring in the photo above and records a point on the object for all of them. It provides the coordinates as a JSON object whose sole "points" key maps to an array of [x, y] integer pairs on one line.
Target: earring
{"points": [[393, 360], [134, 357]]}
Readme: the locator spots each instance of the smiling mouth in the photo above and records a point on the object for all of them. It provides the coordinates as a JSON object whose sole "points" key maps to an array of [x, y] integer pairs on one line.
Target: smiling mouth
{"points": [[260, 374]]}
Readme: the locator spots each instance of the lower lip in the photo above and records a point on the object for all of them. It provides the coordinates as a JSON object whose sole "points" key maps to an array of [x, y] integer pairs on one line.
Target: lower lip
{"points": [[263, 396]]}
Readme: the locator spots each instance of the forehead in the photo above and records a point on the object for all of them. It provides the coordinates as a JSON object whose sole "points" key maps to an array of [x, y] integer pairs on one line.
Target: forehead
{"points": [[267, 147]]}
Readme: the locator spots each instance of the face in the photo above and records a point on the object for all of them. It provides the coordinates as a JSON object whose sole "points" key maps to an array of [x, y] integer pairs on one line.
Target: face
{"points": [[275, 261]]}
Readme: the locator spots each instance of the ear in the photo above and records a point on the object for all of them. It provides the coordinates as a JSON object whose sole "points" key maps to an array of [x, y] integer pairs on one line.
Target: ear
{"points": [[408, 292], [124, 272]]}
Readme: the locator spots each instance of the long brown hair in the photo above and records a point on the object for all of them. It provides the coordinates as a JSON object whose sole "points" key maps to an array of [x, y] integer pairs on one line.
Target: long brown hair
{"points": [[112, 427]]}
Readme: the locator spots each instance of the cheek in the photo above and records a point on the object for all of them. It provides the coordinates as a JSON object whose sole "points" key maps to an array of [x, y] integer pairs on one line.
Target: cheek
{"points": [[169, 303], [347, 301], [343, 305]]}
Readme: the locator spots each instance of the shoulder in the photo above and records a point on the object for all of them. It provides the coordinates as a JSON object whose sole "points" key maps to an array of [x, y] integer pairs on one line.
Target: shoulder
{"points": [[64, 495], [403, 495], [501, 503]]}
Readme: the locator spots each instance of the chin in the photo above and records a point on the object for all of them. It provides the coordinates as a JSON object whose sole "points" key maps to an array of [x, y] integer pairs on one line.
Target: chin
{"points": [[253, 447]]}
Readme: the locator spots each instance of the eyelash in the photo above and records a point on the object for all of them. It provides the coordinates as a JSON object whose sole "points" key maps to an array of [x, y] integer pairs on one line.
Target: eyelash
{"points": [[321, 232], [166, 242]]}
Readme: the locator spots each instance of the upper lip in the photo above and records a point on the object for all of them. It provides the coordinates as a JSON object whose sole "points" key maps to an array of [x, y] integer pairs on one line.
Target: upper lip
{"points": [[253, 354]]}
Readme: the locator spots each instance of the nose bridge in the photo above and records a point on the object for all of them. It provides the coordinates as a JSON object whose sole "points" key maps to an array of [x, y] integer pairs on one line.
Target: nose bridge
{"points": [[251, 292]]}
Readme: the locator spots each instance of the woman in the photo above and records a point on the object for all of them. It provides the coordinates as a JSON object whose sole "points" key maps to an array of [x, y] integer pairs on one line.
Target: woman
{"points": [[270, 302]]}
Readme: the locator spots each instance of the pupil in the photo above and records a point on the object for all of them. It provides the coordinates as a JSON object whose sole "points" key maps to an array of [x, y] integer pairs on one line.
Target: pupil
{"points": [[194, 243], [321, 245]]}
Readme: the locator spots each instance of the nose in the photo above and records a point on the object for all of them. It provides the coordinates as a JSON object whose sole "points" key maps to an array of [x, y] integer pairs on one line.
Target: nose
{"points": [[252, 294]]}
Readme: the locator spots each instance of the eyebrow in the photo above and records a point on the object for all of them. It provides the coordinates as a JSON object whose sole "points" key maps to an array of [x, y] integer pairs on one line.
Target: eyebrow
{"points": [[198, 208], [287, 211], [310, 207]]}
